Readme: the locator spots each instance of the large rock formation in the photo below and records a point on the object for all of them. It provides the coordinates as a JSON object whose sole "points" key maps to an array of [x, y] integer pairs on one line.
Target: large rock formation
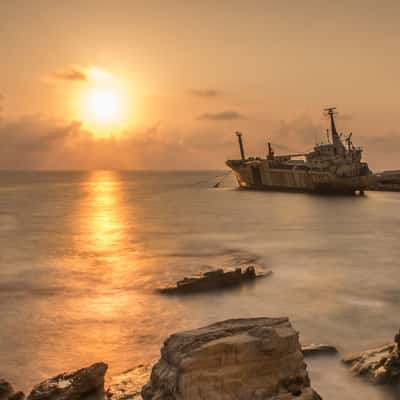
{"points": [[380, 366], [246, 359], [71, 386]]}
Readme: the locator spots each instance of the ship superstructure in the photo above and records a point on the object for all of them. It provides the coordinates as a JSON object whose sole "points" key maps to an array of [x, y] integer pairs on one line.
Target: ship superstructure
{"points": [[333, 167]]}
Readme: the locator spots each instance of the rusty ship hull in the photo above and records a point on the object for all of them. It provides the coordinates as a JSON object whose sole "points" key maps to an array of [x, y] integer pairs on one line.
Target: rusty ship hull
{"points": [[255, 175]]}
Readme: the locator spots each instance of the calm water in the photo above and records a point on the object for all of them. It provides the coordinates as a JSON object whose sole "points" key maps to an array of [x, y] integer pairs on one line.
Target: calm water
{"points": [[81, 254]]}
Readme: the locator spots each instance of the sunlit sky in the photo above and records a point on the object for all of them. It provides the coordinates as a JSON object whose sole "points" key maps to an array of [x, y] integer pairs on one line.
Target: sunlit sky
{"points": [[164, 85]]}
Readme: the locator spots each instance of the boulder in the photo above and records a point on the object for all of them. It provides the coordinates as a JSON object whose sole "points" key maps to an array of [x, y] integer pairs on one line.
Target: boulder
{"points": [[246, 359], [318, 349], [71, 386]]}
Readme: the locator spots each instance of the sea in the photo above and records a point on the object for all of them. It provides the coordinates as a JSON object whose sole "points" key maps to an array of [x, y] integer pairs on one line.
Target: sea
{"points": [[82, 255]]}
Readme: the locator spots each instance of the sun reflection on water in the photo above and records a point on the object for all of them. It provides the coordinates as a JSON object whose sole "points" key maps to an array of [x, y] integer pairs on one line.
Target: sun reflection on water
{"points": [[105, 226], [102, 241]]}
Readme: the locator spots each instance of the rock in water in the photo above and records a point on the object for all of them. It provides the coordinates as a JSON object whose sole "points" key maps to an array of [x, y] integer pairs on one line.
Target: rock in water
{"points": [[246, 359], [71, 386], [318, 349], [213, 280], [380, 366]]}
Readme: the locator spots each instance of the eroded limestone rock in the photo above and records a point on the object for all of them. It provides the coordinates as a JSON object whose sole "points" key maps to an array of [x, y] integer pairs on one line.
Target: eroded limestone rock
{"points": [[246, 359], [380, 366], [71, 386]]}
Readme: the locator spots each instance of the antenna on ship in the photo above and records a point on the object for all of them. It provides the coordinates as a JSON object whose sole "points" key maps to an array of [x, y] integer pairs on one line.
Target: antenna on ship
{"points": [[239, 135], [331, 111]]}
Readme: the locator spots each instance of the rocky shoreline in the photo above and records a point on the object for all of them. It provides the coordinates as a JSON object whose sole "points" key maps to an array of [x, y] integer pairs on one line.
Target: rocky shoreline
{"points": [[246, 359]]}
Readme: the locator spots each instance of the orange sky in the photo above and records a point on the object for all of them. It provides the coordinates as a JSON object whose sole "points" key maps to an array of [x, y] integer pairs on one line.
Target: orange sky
{"points": [[192, 73]]}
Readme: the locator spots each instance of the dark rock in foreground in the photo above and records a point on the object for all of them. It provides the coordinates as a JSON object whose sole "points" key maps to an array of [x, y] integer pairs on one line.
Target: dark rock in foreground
{"points": [[246, 359], [17, 396], [6, 389], [318, 349], [216, 279], [71, 386], [7, 392], [380, 366]]}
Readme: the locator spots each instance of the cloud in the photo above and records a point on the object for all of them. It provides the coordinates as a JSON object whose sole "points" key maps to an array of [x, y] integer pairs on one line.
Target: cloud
{"points": [[203, 92], [72, 73], [221, 116], [38, 142], [34, 133], [29, 141]]}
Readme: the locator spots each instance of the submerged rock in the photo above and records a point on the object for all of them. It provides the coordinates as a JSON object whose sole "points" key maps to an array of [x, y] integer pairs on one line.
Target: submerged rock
{"points": [[246, 359], [71, 386], [216, 279], [380, 366], [318, 349]]}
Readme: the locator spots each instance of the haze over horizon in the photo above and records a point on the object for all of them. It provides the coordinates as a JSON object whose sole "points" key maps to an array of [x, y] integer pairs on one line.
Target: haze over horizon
{"points": [[137, 85]]}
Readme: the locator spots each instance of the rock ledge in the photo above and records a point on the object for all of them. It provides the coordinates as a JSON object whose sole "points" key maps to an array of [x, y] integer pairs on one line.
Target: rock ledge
{"points": [[246, 359]]}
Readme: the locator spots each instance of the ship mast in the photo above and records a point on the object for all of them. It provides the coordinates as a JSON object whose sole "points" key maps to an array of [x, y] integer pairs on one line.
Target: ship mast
{"points": [[239, 136], [331, 111]]}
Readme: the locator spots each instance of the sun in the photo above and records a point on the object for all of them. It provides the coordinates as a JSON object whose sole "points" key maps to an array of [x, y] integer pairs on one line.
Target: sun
{"points": [[104, 105]]}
